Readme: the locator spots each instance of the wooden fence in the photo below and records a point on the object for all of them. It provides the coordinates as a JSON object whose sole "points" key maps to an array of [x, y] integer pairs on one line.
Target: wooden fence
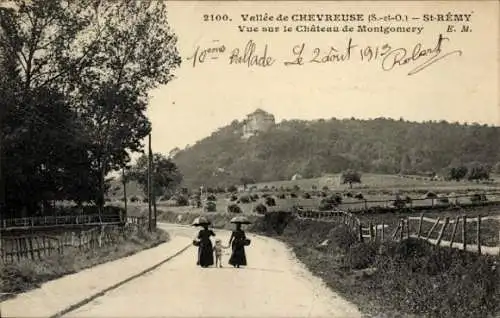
{"points": [[60, 220], [467, 233], [38, 246], [336, 216], [473, 234], [140, 221]]}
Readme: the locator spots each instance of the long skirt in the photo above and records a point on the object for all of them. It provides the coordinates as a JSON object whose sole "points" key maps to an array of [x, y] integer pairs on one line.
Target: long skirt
{"points": [[238, 256], [205, 255]]}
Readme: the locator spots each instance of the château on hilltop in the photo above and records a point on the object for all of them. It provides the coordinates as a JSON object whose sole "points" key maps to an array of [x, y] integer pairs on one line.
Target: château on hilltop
{"points": [[256, 122]]}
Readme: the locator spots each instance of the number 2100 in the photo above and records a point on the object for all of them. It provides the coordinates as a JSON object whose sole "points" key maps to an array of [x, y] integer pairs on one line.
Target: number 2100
{"points": [[215, 17]]}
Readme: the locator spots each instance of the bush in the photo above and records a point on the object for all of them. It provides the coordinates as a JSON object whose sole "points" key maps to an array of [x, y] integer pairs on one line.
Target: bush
{"points": [[232, 189], [342, 237], [478, 197], [337, 198], [359, 196], [399, 203], [244, 199], [325, 188], [306, 195], [134, 199], [233, 198], [210, 206], [327, 204], [361, 255], [270, 201], [348, 194], [260, 209], [265, 195], [234, 208], [211, 197], [181, 201], [281, 196], [255, 197], [293, 195]]}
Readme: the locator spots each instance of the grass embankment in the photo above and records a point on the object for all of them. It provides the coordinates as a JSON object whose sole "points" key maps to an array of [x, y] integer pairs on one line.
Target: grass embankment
{"points": [[219, 220], [21, 276], [407, 278]]}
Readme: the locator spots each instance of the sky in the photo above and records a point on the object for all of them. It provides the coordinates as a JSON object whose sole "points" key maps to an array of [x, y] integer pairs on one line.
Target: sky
{"points": [[460, 87]]}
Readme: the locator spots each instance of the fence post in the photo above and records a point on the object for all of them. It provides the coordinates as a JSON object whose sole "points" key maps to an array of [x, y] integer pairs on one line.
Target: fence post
{"points": [[420, 225], [396, 231], [370, 229], [382, 232], [478, 239], [401, 234], [454, 231], [360, 226], [407, 227], [32, 252], [464, 233], [433, 227], [440, 237]]}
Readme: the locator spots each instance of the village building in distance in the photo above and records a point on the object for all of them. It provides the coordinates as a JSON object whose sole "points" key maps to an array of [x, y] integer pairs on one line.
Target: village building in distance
{"points": [[256, 122]]}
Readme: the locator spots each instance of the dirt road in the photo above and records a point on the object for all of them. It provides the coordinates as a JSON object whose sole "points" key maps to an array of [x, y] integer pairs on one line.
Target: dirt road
{"points": [[273, 285]]}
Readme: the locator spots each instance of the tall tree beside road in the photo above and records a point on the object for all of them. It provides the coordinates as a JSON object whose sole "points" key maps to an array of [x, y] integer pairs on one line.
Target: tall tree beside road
{"points": [[137, 53], [101, 59]]}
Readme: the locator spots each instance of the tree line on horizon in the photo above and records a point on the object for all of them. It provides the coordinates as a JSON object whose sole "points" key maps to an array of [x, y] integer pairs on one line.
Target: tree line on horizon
{"points": [[315, 148]]}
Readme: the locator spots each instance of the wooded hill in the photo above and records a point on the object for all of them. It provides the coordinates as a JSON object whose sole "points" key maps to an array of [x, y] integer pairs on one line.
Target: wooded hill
{"points": [[313, 148]]}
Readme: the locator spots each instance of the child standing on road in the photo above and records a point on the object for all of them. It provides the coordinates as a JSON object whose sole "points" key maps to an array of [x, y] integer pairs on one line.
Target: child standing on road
{"points": [[218, 252]]}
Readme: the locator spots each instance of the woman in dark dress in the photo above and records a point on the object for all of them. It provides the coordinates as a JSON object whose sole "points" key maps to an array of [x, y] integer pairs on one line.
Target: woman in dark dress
{"points": [[205, 249], [237, 242]]}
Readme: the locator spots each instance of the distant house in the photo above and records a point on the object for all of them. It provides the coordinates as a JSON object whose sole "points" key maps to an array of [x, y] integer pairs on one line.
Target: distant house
{"points": [[296, 177], [256, 122]]}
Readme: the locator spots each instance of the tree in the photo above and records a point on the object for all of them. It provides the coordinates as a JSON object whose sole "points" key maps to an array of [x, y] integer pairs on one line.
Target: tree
{"points": [[136, 54], [350, 177], [245, 181], [98, 59], [166, 176], [478, 171], [457, 173]]}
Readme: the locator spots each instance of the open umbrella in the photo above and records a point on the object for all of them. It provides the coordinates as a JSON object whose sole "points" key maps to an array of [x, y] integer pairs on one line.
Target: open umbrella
{"points": [[199, 221], [240, 219]]}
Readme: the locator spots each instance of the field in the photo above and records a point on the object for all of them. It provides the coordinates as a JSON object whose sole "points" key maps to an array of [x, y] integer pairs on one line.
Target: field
{"points": [[377, 191], [388, 183], [380, 181]]}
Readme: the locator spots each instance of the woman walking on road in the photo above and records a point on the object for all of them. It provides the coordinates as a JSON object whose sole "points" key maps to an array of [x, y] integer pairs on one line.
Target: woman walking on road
{"points": [[205, 247], [238, 241]]}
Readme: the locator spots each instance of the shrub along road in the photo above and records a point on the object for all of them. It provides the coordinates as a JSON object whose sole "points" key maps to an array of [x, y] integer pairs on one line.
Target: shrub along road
{"points": [[274, 284]]}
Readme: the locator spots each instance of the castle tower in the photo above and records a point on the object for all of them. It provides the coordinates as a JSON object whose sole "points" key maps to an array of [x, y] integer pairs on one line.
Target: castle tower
{"points": [[256, 122]]}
